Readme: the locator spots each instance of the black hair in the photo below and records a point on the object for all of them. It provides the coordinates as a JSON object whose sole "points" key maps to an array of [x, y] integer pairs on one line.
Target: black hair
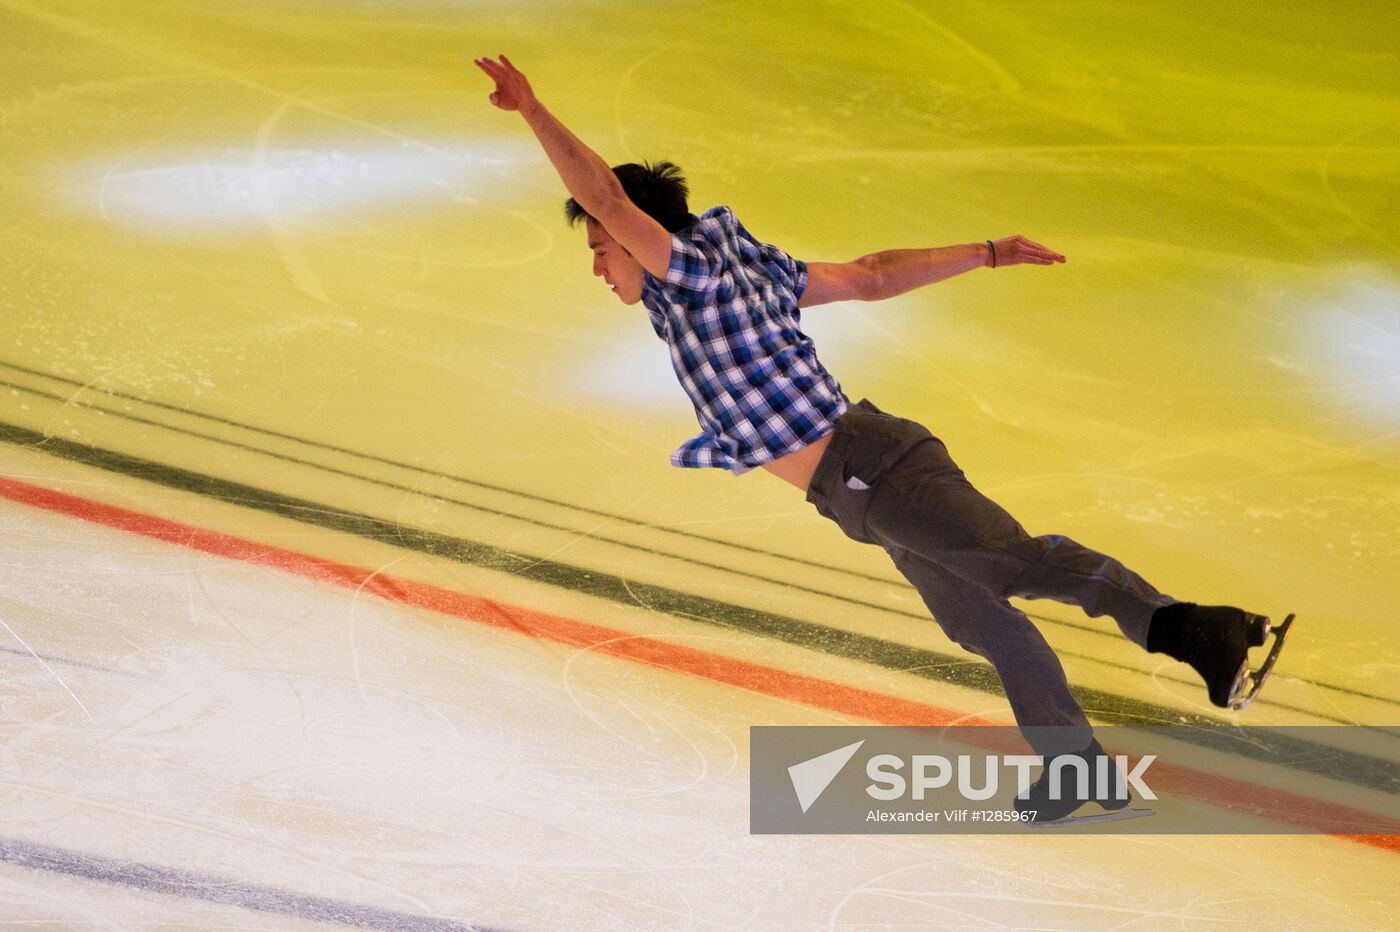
{"points": [[658, 190]]}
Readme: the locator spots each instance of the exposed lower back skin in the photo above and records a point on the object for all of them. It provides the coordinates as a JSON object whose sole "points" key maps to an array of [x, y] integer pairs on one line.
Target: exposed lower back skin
{"points": [[797, 467]]}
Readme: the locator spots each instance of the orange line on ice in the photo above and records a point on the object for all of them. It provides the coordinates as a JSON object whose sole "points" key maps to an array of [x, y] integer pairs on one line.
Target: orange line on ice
{"points": [[771, 681], [853, 701]]}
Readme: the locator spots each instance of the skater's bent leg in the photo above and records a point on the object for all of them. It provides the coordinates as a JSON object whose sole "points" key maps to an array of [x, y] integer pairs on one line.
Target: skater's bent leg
{"points": [[992, 628], [926, 505]]}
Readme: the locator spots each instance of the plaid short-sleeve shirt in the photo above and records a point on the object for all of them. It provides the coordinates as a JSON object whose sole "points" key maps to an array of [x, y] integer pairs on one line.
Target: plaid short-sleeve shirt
{"points": [[728, 311]]}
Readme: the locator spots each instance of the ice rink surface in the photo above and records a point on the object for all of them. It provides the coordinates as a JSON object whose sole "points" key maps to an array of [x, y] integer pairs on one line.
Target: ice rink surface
{"points": [[346, 581]]}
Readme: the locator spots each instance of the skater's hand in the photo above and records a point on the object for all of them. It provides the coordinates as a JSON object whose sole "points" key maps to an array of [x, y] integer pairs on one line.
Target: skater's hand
{"points": [[1017, 250], [512, 91]]}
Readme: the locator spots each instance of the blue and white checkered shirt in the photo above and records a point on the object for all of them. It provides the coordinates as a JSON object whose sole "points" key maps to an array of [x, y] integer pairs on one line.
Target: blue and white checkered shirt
{"points": [[728, 311]]}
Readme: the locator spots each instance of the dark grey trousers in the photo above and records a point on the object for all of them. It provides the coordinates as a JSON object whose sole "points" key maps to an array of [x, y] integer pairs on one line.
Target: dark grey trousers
{"points": [[886, 480]]}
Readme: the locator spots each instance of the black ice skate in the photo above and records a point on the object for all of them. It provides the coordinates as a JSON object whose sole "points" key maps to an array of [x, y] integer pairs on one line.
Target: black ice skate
{"points": [[1215, 640], [1105, 786]]}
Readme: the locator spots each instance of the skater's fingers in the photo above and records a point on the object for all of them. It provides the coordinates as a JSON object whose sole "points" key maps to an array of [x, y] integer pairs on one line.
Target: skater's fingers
{"points": [[494, 70], [1029, 256], [1040, 251], [513, 72]]}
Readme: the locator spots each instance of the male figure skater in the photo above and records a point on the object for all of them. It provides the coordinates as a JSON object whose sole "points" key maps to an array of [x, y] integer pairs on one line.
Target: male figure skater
{"points": [[728, 307]]}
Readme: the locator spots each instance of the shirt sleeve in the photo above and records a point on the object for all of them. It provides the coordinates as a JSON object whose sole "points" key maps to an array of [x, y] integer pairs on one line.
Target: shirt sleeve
{"points": [[787, 273], [698, 260]]}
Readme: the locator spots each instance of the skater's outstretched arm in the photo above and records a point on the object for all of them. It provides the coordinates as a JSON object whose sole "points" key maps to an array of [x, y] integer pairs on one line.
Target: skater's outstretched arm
{"points": [[883, 275], [589, 179]]}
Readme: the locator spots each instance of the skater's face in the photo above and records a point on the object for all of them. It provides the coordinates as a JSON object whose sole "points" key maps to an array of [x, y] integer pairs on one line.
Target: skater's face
{"points": [[614, 264]]}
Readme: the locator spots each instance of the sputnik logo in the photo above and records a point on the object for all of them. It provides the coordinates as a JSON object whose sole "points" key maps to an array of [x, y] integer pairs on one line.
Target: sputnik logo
{"points": [[810, 778]]}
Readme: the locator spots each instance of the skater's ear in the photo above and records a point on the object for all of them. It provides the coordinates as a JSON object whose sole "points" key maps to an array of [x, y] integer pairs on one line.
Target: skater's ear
{"points": [[838, 281]]}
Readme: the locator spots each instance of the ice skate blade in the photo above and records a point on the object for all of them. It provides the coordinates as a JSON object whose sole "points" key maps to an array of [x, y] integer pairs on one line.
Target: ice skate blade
{"points": [[1248, 683], [1096, 818]]}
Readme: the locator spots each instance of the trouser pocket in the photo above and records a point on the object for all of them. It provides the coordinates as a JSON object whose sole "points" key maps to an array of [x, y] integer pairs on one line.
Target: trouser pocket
{"points": [[868, 442], [880, 440]]}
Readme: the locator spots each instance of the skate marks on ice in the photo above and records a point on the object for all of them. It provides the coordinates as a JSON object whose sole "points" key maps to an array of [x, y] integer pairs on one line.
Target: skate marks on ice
{"points": [[988, 883], [834, 641], [1360, 768], [47, 669]]}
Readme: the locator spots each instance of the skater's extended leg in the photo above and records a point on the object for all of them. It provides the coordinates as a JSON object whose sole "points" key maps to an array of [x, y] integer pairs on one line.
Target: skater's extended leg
{"points": [[925, 504], [991, 627], [887, 480]]}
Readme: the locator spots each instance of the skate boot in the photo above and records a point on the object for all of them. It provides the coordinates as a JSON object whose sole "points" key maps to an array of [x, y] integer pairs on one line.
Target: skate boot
{"points": [[1215, 640], [1105, 786]]}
